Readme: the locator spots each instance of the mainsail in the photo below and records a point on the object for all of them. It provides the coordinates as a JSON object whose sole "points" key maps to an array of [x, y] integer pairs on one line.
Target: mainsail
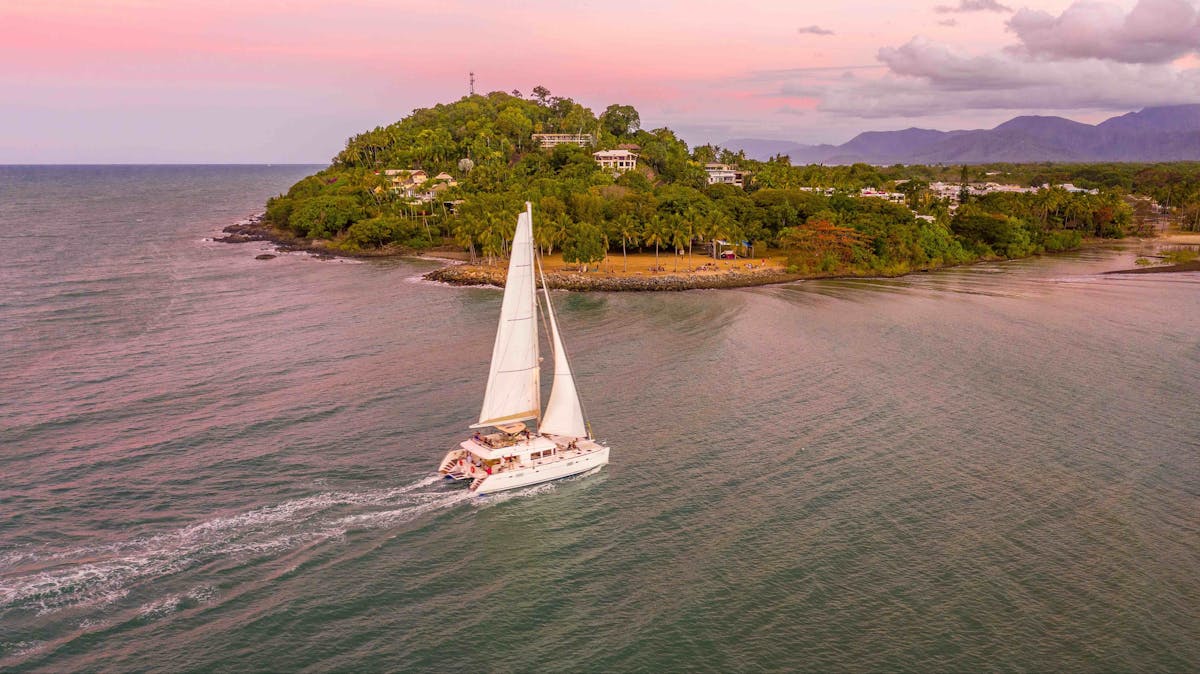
{"points": [[513, 383], [564, 413]]}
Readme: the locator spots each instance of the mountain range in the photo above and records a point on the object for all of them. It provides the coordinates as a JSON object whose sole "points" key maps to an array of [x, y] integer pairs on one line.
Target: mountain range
{"points": [[1169, 133]]}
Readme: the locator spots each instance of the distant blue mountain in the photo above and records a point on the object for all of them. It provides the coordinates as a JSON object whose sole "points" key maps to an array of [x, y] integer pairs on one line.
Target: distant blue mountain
{"points": [[1170, 133]]}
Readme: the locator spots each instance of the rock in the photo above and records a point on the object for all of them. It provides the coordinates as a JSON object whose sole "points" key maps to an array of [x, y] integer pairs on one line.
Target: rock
{"points": [[264, 256], [465, 275]]}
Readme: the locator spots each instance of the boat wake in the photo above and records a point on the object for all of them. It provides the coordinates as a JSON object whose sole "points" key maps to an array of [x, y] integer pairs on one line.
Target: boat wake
{"points": [[46, 581]]}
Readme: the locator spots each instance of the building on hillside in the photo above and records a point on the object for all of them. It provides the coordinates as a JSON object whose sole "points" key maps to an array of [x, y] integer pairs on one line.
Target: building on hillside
{"points": [[871, 192], [1014, 189], [827, 191], [1076, 190], [951, 190], [724, 174], [436, 188], [407, 181], [617, 161], [415, 176], [945, 190], [549, 140], [416, 184]]}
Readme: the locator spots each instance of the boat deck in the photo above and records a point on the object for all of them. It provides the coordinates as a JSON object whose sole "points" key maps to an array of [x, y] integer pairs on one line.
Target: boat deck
{"points": [[564, 450]]}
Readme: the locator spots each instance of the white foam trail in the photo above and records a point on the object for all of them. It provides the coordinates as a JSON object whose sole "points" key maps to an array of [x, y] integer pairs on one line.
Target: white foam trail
{"points": [[171, 603], [21, 648], [103, 574]]}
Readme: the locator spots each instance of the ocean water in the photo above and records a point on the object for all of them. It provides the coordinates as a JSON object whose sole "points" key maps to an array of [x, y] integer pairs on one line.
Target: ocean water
{"points": [[213, 462]]}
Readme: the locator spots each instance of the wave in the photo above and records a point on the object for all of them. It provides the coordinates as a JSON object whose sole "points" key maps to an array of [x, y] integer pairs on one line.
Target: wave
{"points": [[99, 575]]}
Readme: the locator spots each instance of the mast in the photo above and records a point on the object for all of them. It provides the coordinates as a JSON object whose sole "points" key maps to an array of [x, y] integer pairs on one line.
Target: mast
{"points": [[514, 383], [564, 411]]}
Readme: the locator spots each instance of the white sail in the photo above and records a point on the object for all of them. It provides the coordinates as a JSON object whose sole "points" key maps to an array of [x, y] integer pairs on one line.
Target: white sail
{"points": [[513, 388], [564, 413]]}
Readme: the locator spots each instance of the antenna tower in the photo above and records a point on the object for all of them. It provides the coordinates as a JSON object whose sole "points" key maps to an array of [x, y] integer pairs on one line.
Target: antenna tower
{"points": [[472, 84]]}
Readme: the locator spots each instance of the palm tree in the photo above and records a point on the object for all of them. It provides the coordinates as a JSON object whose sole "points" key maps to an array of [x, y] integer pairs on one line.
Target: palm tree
{"points": [[464, 235], [1077, 212], [720, 227], [543, 236], [627, 229], [492, 242], [655, 233], [680, 232], [550, 233]]}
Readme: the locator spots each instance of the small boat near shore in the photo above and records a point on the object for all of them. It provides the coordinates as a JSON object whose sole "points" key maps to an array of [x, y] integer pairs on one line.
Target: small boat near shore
{"points": [[515, 456]]}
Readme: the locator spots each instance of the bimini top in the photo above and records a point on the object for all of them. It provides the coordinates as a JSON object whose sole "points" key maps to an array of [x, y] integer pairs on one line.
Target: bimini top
{"points": [[511, 429]]}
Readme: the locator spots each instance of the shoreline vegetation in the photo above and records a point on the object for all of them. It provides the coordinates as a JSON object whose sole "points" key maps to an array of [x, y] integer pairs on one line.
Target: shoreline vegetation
{"points": [[451, 178], [639, 272]]}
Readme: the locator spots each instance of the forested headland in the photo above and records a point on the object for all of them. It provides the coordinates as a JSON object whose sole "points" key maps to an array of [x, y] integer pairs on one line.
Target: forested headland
{"points": [[813, 215]]}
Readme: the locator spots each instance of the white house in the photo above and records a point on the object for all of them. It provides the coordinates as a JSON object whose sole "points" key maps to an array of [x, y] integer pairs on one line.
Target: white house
{"points": [[1076, 190], [894, 197], [725, 174], [549, 140], [617, 161]]}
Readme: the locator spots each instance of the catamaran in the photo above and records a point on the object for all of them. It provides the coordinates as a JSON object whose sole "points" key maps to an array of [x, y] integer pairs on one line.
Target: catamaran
{"points": [[514, 455]]}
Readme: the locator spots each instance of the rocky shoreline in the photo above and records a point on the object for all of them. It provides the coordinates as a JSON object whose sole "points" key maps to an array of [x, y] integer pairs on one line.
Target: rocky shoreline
{"points": [[253, 228], [1193, 265], [464, 275]]}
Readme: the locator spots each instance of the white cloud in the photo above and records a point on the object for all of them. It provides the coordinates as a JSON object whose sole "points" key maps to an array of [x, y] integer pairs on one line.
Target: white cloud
{"points": [[814, 30], [1154, 31], [973, 6], [948, 69]]}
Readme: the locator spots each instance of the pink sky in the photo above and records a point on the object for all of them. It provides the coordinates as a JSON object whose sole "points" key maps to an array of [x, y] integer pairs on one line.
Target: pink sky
{"points": [[275, 81]]}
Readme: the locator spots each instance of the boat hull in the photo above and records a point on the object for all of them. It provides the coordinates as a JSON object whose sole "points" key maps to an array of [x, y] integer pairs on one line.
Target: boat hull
{"points": [[528, 476]]}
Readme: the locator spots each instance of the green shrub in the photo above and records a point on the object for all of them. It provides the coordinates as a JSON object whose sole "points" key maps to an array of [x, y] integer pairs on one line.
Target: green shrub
{"points": [[1061, 239], [1179, 255], [324, 217], [387, 229], [279, 211]]}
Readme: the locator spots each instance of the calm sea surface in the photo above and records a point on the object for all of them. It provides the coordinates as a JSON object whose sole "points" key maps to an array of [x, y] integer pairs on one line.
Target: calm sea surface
{"points": [[212, 462]]}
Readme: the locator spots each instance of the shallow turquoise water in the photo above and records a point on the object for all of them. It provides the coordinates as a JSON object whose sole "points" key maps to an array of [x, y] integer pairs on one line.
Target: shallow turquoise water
{"points": [[208, 461]]}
